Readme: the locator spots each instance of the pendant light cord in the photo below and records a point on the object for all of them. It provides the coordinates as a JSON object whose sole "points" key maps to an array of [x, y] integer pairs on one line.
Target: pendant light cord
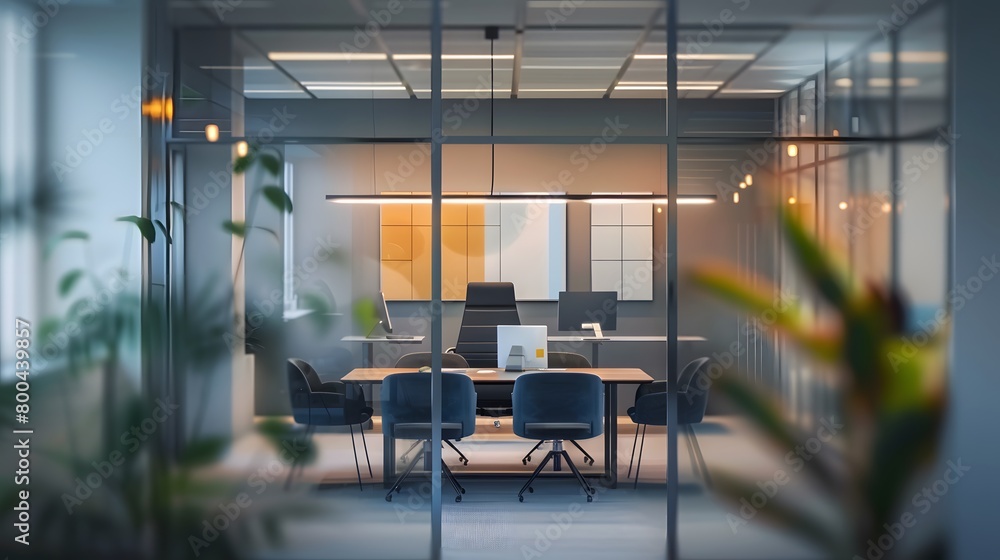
{"points": [[493, 146]]}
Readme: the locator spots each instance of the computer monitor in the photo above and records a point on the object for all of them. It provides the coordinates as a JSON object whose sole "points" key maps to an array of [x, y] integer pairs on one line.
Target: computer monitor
{"points": [[534, 340], [583, 310], [383, 313]]}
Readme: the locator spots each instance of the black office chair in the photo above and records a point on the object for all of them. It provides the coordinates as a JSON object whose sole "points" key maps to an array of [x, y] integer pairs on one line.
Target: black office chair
{"points": [[487, 304], [651, 409], [330, 403], [417, 360], [406, 413], [558, 406], [568, 360]]}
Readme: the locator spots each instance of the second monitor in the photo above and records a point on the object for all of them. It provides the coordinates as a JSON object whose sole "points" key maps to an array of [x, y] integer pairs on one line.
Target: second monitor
{"points": [[596, 311]]}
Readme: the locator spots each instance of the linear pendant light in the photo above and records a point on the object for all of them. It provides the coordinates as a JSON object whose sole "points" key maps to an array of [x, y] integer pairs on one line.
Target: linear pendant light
{"points": [[543, 198]]}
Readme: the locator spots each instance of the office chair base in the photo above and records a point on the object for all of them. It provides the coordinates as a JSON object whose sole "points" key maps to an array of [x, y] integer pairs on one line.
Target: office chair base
{"points": [[557, 452], [459, 490], [587, 459]]}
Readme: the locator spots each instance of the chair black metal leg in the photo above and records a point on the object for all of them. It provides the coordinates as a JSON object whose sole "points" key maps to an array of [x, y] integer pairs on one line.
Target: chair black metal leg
{"points": [[632, 458], [395, 486], [526, 458], [407, 452], [534, 475], [357, 466], [579, 476], [701, 458], [461, 456], [369, 461], [586, 456], [454, 481], [639, 463]]}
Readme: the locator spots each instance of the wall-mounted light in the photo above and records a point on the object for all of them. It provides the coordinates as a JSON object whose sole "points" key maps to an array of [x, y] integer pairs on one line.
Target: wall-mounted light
{"points": [[791, 200], [242, 149], [748, 180], [743, 185], [736, 198], [886, 207], [836, 132], [842, 205], [212, 132], [793, 150], [659, 209]]}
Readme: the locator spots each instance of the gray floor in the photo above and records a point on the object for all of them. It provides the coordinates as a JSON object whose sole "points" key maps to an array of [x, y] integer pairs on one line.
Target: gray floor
{"points": [[336, 520]]}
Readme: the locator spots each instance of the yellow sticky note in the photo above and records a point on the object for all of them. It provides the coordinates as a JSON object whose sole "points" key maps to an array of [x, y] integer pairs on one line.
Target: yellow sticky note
{"points": [[539, 352]]}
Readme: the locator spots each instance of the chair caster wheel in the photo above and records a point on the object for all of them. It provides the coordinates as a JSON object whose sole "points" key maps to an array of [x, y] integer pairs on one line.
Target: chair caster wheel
{"points": [[524, 461], [531, 490], [463, 490], [593, 490], [465, 462], [590, 498], [520, 498], [397, 490], [388, 498], [458, 499], [402, 458]]}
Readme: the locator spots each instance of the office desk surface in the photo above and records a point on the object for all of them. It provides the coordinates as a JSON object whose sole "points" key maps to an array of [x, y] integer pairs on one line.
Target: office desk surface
{"points": [[411, 340], [607, 375]]}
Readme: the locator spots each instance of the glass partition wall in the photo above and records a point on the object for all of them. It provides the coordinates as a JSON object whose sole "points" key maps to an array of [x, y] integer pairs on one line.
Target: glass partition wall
{"points": [[344, 175]]}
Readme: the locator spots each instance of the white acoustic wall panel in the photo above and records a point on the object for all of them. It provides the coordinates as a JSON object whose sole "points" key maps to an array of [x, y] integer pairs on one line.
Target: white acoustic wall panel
{"points": [[621, 249]]}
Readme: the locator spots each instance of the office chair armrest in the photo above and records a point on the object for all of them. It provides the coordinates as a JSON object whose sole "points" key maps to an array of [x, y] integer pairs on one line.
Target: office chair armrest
{"points": [[338, 387], [327, 400], [450, 350]]}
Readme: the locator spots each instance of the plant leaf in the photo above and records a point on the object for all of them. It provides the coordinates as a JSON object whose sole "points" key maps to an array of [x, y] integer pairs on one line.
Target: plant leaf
{"points": [[780, 512], [203, 451], [278, 198], [775, 312], [273, 233], [163, 230], [815, 263], [271, 163], [242, 163], [178, 206], [236, 228], [69, 280], [72, 234], [144, 224]]}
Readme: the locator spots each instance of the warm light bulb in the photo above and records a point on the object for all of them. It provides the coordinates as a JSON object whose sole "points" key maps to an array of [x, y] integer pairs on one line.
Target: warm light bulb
{"points": [[743, 185], [886, 207], [659, 210], [748, 180], [736, 198], [836, 132], [842, 206], [791, 200], [212, 132], [793, 150], [242, 148]]}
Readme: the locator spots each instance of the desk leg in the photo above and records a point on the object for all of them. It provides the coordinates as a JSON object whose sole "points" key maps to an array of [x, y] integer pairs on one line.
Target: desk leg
{"points": [[367, 354], [388, 461], [595, 353], [611, 435]]}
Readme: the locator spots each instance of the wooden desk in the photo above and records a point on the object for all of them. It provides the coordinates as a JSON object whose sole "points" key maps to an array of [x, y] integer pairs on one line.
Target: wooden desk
{"points": [[611, 377], [595, 342], [368, 345]]}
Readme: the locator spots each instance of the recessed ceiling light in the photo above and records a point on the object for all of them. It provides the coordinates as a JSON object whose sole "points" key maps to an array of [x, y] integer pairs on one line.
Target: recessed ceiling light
{"points": [[325, 56], [843, 82], [699, 56], [262, 91], [355, 86], [911, 57], [427, 56], [887, 82], [237, 67], [752, 91]]}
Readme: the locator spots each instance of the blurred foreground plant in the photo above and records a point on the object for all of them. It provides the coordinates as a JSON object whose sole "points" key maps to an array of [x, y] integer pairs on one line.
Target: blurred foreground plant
{"points": [[893, 389]]}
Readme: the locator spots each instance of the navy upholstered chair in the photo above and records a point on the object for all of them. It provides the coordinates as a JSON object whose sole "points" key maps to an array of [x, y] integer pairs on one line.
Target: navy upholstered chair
{"points": [[565, 360], [651, 409], [487, 304], [417, 360], [406, 414], [558, 406], [329, 403]]}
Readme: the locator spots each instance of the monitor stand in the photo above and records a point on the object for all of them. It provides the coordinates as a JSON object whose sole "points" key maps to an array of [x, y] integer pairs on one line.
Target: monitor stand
{"points": [[377, 332]]}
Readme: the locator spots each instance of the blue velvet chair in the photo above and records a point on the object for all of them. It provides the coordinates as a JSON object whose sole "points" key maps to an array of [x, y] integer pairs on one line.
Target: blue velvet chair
{"points": [[330, 403], [651, 410], [406, 414], [558, 406], [417, 360], [566, 360]]}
